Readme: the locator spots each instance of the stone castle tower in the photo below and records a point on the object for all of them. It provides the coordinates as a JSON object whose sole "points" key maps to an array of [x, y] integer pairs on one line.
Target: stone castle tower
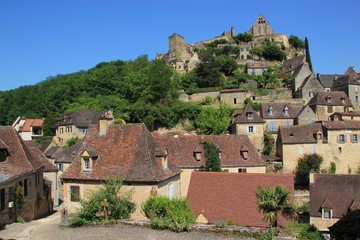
{"points": [[176, 45], [261, 27]]}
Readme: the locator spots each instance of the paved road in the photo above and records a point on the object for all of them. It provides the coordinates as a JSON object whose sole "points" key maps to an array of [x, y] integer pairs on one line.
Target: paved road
{"points": [[48, 229]]}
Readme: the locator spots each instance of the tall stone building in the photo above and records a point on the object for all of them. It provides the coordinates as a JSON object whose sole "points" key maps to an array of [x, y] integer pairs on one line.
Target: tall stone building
{"points": [[261, 27]]}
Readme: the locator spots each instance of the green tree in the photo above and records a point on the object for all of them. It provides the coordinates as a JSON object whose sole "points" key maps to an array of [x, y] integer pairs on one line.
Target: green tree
{"points": [[272, 52], [268, 143], [308, 163], [164, 213], [274, 200], [307, 53], [121, 205], [296, 42], [213, 163], [243, 37], [227, 64], [72, 141], [212, 121], [208, 72]]}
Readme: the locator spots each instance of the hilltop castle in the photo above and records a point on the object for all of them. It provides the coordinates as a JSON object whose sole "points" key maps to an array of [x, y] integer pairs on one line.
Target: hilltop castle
{"points": [[183, 57]]}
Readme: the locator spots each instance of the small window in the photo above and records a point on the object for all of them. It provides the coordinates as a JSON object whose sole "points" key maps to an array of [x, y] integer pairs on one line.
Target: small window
{"points": [[251, 129], [341, 138], [86, 164], [327, 213], [286, 110], [250, 115], [2, 199], [242, 170], [354, 138], [234, 100], [60, 166], [74, 193], [244, 154], [198, 156], [330, 109], [328, 99], [356, 99], [271, 110], [342, 100], [339, 149], [311, 94]]}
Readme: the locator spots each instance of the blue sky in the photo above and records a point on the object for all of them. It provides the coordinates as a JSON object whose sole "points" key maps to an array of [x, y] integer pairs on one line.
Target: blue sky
{"points": [[40, 38]]}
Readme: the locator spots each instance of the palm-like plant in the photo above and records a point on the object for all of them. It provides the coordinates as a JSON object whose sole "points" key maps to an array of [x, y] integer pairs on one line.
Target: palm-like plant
{"points": [[271, 201]]}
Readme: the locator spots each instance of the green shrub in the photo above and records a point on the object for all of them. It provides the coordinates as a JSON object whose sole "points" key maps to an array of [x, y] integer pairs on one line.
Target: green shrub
{"points": [[164, 213], [120, 206]]}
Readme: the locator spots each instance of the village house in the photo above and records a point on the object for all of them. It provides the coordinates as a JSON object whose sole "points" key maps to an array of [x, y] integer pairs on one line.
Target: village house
{"points": [[215, 197], [256, 68], [344, 116], [297, 79], [76, 124], [233, 97], [29, 129], [332, 196], [327, 80], [305, 116], [120, 149], [248, 122], [350, 84], [326, 103], [288, 67], [278, 114], [334, 141], [236, 152], [21, 171], [309, 87]]}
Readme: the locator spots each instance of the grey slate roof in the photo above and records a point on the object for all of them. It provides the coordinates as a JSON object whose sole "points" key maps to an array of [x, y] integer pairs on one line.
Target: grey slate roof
{"points": [[327, 80], [79, 118], [290, 64]]}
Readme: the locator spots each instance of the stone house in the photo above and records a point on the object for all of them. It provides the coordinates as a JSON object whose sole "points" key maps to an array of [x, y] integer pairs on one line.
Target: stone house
{"points": [[248, 122], [350, 84], [278, 114], [29, 128], [21, 170], [237, 154], [344, 116], [297, 79], [288, 67], [215, 197], [233, 97], [309, 87], [256, 68], [327, 80], [126, 149], [334, 141], [326, 103], [305, 116], [76, 124], [332, 196]]}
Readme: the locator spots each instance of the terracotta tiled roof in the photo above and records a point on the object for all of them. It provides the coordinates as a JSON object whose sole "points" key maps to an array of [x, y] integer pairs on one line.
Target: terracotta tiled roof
{"points": [[300, 133], [279, 110], [242, 117], [256, 65], [31, 123], [351, 71], [129, 149], [231, 196], [48, 166], [326, 187], [353, 113], [20, 161], [181, 149], [52, 151], [346, 80], [337, 98], [337, 125]]}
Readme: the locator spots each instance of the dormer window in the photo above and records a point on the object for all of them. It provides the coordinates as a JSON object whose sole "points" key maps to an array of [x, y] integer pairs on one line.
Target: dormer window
{"points": [[327, 213], [86, 164], [250, 115], [342, 100], [271, 110], [286, 110], [244, 154], [197, 156], [328, 99]]}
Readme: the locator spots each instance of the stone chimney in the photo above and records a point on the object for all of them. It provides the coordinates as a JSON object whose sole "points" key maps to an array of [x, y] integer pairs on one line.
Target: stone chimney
{"points": [[318, 76], [106, 119]]}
